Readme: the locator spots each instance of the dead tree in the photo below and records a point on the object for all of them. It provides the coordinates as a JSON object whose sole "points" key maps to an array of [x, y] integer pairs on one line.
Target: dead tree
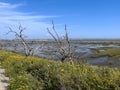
{"points": [[63, 48], [28, 49]]}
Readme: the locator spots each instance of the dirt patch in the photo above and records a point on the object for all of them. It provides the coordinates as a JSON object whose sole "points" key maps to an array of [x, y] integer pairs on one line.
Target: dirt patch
{"points": [[3, 80]]}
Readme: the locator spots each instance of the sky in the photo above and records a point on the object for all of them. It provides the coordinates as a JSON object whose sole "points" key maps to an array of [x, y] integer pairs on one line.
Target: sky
{"points": [[85, 19]]}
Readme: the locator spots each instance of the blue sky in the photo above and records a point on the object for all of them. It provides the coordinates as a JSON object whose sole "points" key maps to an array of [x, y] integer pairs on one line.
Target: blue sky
{"points": [[85, 19]]}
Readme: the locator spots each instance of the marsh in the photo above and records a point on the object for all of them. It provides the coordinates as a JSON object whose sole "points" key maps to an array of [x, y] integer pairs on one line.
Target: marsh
{"points": [[96, 52]]}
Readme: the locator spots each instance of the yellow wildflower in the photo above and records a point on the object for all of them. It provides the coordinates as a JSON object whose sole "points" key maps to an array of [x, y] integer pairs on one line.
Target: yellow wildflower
{"points": [[110, 80], [48, 65], [62, 70]]}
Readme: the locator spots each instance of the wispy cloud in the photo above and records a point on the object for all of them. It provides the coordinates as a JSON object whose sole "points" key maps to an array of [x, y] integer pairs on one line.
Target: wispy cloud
{"points": [[11, 16], [8, 5]]}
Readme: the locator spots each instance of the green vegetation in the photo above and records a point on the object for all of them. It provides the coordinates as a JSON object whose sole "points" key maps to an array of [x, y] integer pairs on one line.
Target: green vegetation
{"points": [[33, 73], [111, 52]]}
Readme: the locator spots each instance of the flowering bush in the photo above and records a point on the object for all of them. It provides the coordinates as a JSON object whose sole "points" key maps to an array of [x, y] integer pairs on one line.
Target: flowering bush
{"points": [[33, 73]]}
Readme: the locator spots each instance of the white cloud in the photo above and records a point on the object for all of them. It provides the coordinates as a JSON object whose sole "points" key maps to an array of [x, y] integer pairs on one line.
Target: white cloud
{"points": [[10, 16], [8, 5]]}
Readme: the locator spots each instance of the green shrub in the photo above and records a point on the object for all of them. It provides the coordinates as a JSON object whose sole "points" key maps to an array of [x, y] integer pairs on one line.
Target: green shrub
{"points": [[33, 73]]}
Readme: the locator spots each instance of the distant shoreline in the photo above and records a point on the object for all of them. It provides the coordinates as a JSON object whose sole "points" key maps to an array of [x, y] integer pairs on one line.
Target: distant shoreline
{"points": [[81, 41]]}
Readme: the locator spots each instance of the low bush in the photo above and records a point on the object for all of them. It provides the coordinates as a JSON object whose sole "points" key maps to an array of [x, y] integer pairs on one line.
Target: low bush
{"points": [[33, 73]]}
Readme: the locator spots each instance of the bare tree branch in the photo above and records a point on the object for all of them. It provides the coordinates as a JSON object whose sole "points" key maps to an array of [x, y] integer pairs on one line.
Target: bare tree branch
{"points": [[63, 48], [28, 50]]}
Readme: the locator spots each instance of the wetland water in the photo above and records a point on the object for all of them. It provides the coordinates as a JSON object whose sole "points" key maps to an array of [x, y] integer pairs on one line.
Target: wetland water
{"points": [[82, 51]]}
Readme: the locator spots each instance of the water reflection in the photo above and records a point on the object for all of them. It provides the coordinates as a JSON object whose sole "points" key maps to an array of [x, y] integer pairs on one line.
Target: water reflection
{"points": [[98, 60]]}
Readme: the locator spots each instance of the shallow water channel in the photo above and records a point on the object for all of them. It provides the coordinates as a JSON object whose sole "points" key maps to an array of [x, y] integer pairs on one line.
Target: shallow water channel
{"points": [[82, 51]]}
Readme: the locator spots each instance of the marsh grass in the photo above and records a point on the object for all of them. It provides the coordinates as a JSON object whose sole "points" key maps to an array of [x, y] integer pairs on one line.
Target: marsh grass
{"points": [[110, 52]]}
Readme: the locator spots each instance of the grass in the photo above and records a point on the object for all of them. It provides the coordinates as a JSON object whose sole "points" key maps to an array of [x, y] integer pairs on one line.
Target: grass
{"points": [[33, 73], [110, 52]]}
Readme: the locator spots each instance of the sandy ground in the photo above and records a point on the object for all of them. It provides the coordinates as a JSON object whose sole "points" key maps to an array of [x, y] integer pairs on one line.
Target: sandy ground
{"points": [[3, 80]]}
